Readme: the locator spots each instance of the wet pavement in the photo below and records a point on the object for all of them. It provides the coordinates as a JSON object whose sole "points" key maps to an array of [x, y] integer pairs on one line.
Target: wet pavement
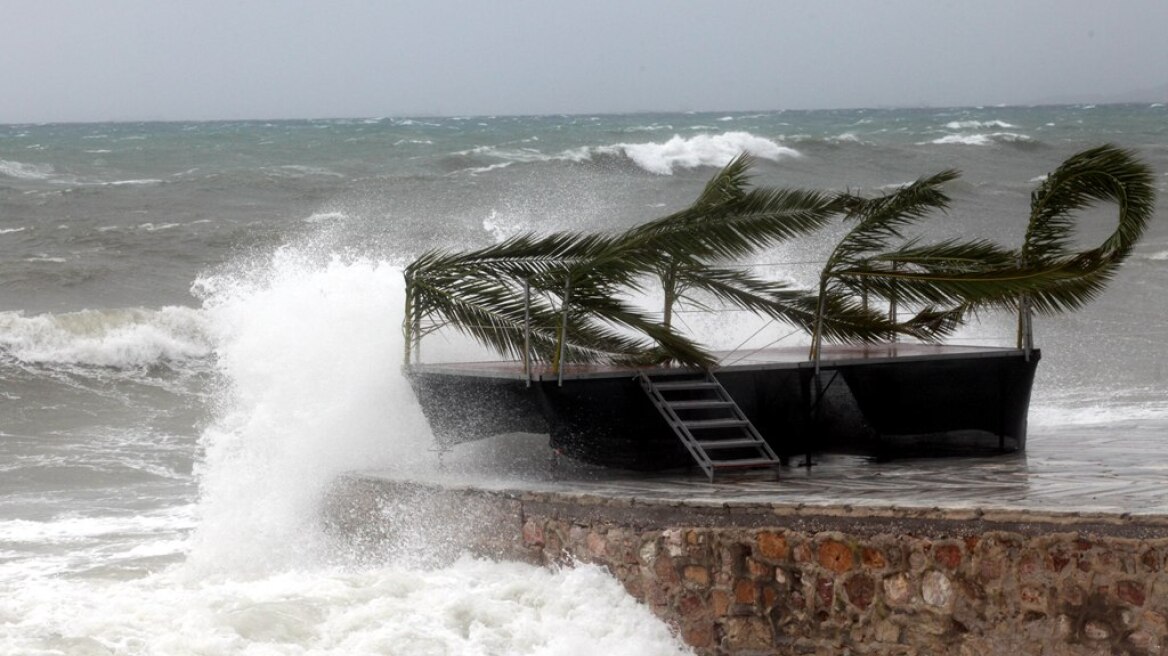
{"points": [[1120, 469]]}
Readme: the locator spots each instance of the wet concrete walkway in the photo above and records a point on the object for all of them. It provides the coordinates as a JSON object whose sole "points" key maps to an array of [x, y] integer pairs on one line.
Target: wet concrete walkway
{"points": [[1120, 469]]}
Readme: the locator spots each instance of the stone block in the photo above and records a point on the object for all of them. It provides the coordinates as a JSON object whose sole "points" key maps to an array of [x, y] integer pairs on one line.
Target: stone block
{"points": [[773, 546], [758, 570], [596, 544], [898, 589], [873, 558], [1130, 592], [745, 592], [697, 576], [825, 592], [861, 589], [532, 533], [936, 589], [836, 556], [1094, 630], [746, 634], [720, 603], [699, 635], [947, 556], [665, 570]]}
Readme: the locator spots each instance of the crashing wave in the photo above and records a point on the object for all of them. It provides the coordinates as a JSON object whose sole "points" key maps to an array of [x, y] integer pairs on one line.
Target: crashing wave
{"points": [[23, 171], [977, 125], [699, 150], [984, 139], [121, 338], [662, 158]]}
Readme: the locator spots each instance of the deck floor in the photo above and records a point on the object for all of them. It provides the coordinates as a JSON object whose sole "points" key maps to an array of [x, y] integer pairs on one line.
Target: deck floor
{"points": [[779, 357], [1120, 468]]}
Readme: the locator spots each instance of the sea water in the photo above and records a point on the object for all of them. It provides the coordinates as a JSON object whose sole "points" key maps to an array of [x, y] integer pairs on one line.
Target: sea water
{"points": [[199, 330]]}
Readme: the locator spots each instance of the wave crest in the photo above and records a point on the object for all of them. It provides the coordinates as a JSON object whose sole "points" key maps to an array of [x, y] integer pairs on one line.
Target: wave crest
{"points": [[699, 150], [121, 338], [975, 125], [662, 158], [986, 139], [25, 171]]}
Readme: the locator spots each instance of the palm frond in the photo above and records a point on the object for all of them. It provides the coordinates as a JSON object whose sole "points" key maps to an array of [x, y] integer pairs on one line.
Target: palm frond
{"points": [[1102, 174]]}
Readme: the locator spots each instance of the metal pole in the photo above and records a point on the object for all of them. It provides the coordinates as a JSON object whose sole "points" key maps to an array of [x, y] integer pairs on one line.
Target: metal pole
{"points": [[1028, 327], [564, 333], [527, 331], [892, 305]]}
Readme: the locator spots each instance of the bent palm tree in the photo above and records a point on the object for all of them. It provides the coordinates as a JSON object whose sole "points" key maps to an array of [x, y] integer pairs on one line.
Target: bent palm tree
{"points": [[559, 296], [953, 277], [1107, 174], [506, 296]]}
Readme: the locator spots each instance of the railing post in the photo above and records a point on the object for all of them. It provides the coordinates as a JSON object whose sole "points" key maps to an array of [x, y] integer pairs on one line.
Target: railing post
{"points": [[563, 332], [892, 304], [408, 325], [527, 330], [1027, 327]]}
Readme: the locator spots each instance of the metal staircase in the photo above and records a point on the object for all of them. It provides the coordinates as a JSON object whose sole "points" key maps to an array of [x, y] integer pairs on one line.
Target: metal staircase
{"points": [[709, 423]]}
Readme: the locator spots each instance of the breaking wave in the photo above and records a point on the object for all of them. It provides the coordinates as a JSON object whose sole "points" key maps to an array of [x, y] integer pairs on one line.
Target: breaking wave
{"points": [[700, 150], [662, 158], [975, 125], [986, 139], [25, 171], [121, 338]]}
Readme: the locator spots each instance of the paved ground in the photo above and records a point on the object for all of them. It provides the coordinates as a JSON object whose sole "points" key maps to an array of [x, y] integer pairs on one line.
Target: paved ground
{"points": [[1118, 469]]}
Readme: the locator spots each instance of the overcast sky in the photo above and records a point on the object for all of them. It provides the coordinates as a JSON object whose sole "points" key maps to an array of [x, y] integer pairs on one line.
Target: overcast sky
{"points": [[97, 60]]}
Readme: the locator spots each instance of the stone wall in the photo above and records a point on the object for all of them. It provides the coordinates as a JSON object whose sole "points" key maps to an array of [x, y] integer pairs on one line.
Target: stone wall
{"points": [[766, 578]]}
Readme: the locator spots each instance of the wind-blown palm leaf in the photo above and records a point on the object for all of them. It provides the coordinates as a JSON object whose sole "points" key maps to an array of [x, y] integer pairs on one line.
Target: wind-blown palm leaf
{"points": [[844, 320], [1102, 174], [878, 222], [881, 220], [1046, 275]]}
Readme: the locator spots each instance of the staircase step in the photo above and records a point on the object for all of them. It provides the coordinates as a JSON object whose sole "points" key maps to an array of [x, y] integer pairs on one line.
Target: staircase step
{"points": [[686, 385], [728, 444], [715, 423], [745, 462], [747, 437], [700, 404]]}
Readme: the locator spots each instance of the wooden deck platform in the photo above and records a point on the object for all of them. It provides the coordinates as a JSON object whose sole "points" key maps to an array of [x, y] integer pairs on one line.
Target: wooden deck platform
{"points": [[791, 357]]}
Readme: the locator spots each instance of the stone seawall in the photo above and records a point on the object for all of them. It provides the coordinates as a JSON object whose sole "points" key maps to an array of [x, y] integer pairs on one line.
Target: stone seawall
{"points": [[763, 578]]}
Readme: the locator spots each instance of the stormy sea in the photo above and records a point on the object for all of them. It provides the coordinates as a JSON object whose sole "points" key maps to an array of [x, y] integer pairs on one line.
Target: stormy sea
{"points": [[200, 330]]}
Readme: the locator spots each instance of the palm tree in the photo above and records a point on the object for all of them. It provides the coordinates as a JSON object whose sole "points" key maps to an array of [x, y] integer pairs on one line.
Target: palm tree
{"points": [[1102, 174], [954, 277], [559, 297]]}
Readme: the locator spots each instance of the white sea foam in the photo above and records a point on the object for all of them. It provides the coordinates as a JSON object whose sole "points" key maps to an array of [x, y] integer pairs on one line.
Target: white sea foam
{"points": [[661, 158], [472, 607], [73, 529], [110, 338], [975, 125], [700, 150], [124, 183], [156, 227], [6, 231], [25, 171], [982, 139]]}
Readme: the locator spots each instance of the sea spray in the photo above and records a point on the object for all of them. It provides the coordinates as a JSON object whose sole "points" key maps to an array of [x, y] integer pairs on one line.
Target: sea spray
{"points": [[309, 356]]}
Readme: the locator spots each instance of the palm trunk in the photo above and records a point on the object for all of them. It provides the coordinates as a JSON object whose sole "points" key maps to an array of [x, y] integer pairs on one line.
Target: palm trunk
{"points": [[408, 326]]}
